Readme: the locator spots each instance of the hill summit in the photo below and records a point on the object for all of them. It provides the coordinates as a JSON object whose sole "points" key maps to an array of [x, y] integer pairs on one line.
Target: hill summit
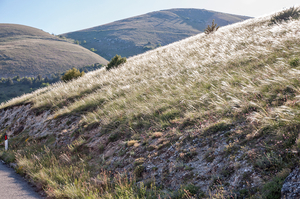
{"points": [[27, 51], [138, 34]]}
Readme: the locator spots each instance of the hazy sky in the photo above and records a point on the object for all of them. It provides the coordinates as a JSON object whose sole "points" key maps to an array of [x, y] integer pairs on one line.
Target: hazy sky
{"points": [[61, 16]]}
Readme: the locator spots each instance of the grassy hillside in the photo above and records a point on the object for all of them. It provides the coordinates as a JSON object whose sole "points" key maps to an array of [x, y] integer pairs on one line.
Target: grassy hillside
{"points": [[211, 116], [138, 34], [27, 51]]}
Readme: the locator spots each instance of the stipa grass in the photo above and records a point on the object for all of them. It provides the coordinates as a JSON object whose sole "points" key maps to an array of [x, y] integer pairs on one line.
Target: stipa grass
{"points": [[185, 76], [69, 177], [245, 73]]}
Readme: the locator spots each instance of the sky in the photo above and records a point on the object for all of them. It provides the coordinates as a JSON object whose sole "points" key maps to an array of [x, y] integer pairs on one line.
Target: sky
{"points": [[62, 16]]}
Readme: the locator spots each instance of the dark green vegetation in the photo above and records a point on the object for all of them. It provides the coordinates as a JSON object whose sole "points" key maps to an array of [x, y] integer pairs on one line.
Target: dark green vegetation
{"points": [[27, 51], [13, 87], [115, 62], [285, 15], [72, 74], [138, 34], [16, 86]]}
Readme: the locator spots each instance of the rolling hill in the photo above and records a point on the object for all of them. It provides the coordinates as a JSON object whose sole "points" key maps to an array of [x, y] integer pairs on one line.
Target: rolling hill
{"points": [[138, 34], [27, 51], [211, 116]]}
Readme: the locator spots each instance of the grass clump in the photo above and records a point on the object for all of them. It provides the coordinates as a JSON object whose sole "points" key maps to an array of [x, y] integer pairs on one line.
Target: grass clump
{"points": [[272, 189], [132, 143], [157, 134], [8, 156]]}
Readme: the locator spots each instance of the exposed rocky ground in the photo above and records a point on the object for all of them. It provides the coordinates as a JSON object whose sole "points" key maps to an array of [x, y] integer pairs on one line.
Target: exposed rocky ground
{"points": [[206, 158]]}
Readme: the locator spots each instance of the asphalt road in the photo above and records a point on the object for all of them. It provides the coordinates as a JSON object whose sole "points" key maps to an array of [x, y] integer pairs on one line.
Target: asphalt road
{"points": [[13, 186]]}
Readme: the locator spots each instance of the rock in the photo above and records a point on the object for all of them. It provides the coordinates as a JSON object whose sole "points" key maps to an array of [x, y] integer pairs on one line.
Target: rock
{"points": [[291, 185]]}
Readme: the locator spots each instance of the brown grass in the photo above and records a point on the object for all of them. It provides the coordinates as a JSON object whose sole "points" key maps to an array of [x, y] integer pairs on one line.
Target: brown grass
{"points": [[27, 51]]}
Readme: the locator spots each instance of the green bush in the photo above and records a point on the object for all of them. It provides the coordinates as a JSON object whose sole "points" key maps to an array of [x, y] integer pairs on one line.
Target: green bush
{"points": [[272, 189], [212, 28], [115, 62], [285, 15], [72, 74], [294, 62]]}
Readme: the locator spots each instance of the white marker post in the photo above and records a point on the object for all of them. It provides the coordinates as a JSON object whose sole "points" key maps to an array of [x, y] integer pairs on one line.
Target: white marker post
{"points": [[6, 143]]}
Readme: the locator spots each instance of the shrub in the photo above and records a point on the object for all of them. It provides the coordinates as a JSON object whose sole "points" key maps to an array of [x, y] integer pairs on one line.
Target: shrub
{"points": [[212, 28], [294, 62], [26, 81], [272, 189], [115, 62], [285, 15], [139, 170], [72, 74], [9, 82]]}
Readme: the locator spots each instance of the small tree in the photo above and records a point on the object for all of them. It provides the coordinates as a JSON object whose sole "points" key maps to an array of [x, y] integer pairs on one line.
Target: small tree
{"points": [[115, 62], [72, 74], [212, 28]]}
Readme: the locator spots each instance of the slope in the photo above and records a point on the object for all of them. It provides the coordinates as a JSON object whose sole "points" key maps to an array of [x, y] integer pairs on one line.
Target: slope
{"points": [[210, 116], [27, 51], [138, 34]]}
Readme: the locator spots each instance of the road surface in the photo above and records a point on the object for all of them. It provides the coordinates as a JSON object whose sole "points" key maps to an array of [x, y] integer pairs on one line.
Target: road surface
{"points": [[13, 186]]}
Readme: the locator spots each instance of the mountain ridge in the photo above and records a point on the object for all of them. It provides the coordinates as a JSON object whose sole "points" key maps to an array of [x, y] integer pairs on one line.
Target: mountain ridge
{"points": [[135, 35]]}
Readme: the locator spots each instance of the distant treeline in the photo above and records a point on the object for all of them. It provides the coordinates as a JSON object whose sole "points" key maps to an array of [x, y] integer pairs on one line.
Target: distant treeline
{"points": [[39, 81]]}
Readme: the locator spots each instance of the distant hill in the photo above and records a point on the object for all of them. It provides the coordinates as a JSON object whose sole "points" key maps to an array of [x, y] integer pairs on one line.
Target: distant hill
{"points": [[27, 51], [138, 34]]}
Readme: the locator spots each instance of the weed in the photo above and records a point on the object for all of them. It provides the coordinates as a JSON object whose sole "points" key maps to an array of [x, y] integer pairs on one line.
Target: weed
{"points": [[212, 28], [139, 170], [269, 161]]}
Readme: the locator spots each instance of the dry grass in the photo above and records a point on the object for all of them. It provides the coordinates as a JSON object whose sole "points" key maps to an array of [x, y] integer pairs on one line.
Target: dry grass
{"points": [[197, 74], [27, 51], [247, 72]]}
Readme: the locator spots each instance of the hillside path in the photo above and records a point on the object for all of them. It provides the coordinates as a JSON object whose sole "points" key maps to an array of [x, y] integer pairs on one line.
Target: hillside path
{"points": [[13, 186]]}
